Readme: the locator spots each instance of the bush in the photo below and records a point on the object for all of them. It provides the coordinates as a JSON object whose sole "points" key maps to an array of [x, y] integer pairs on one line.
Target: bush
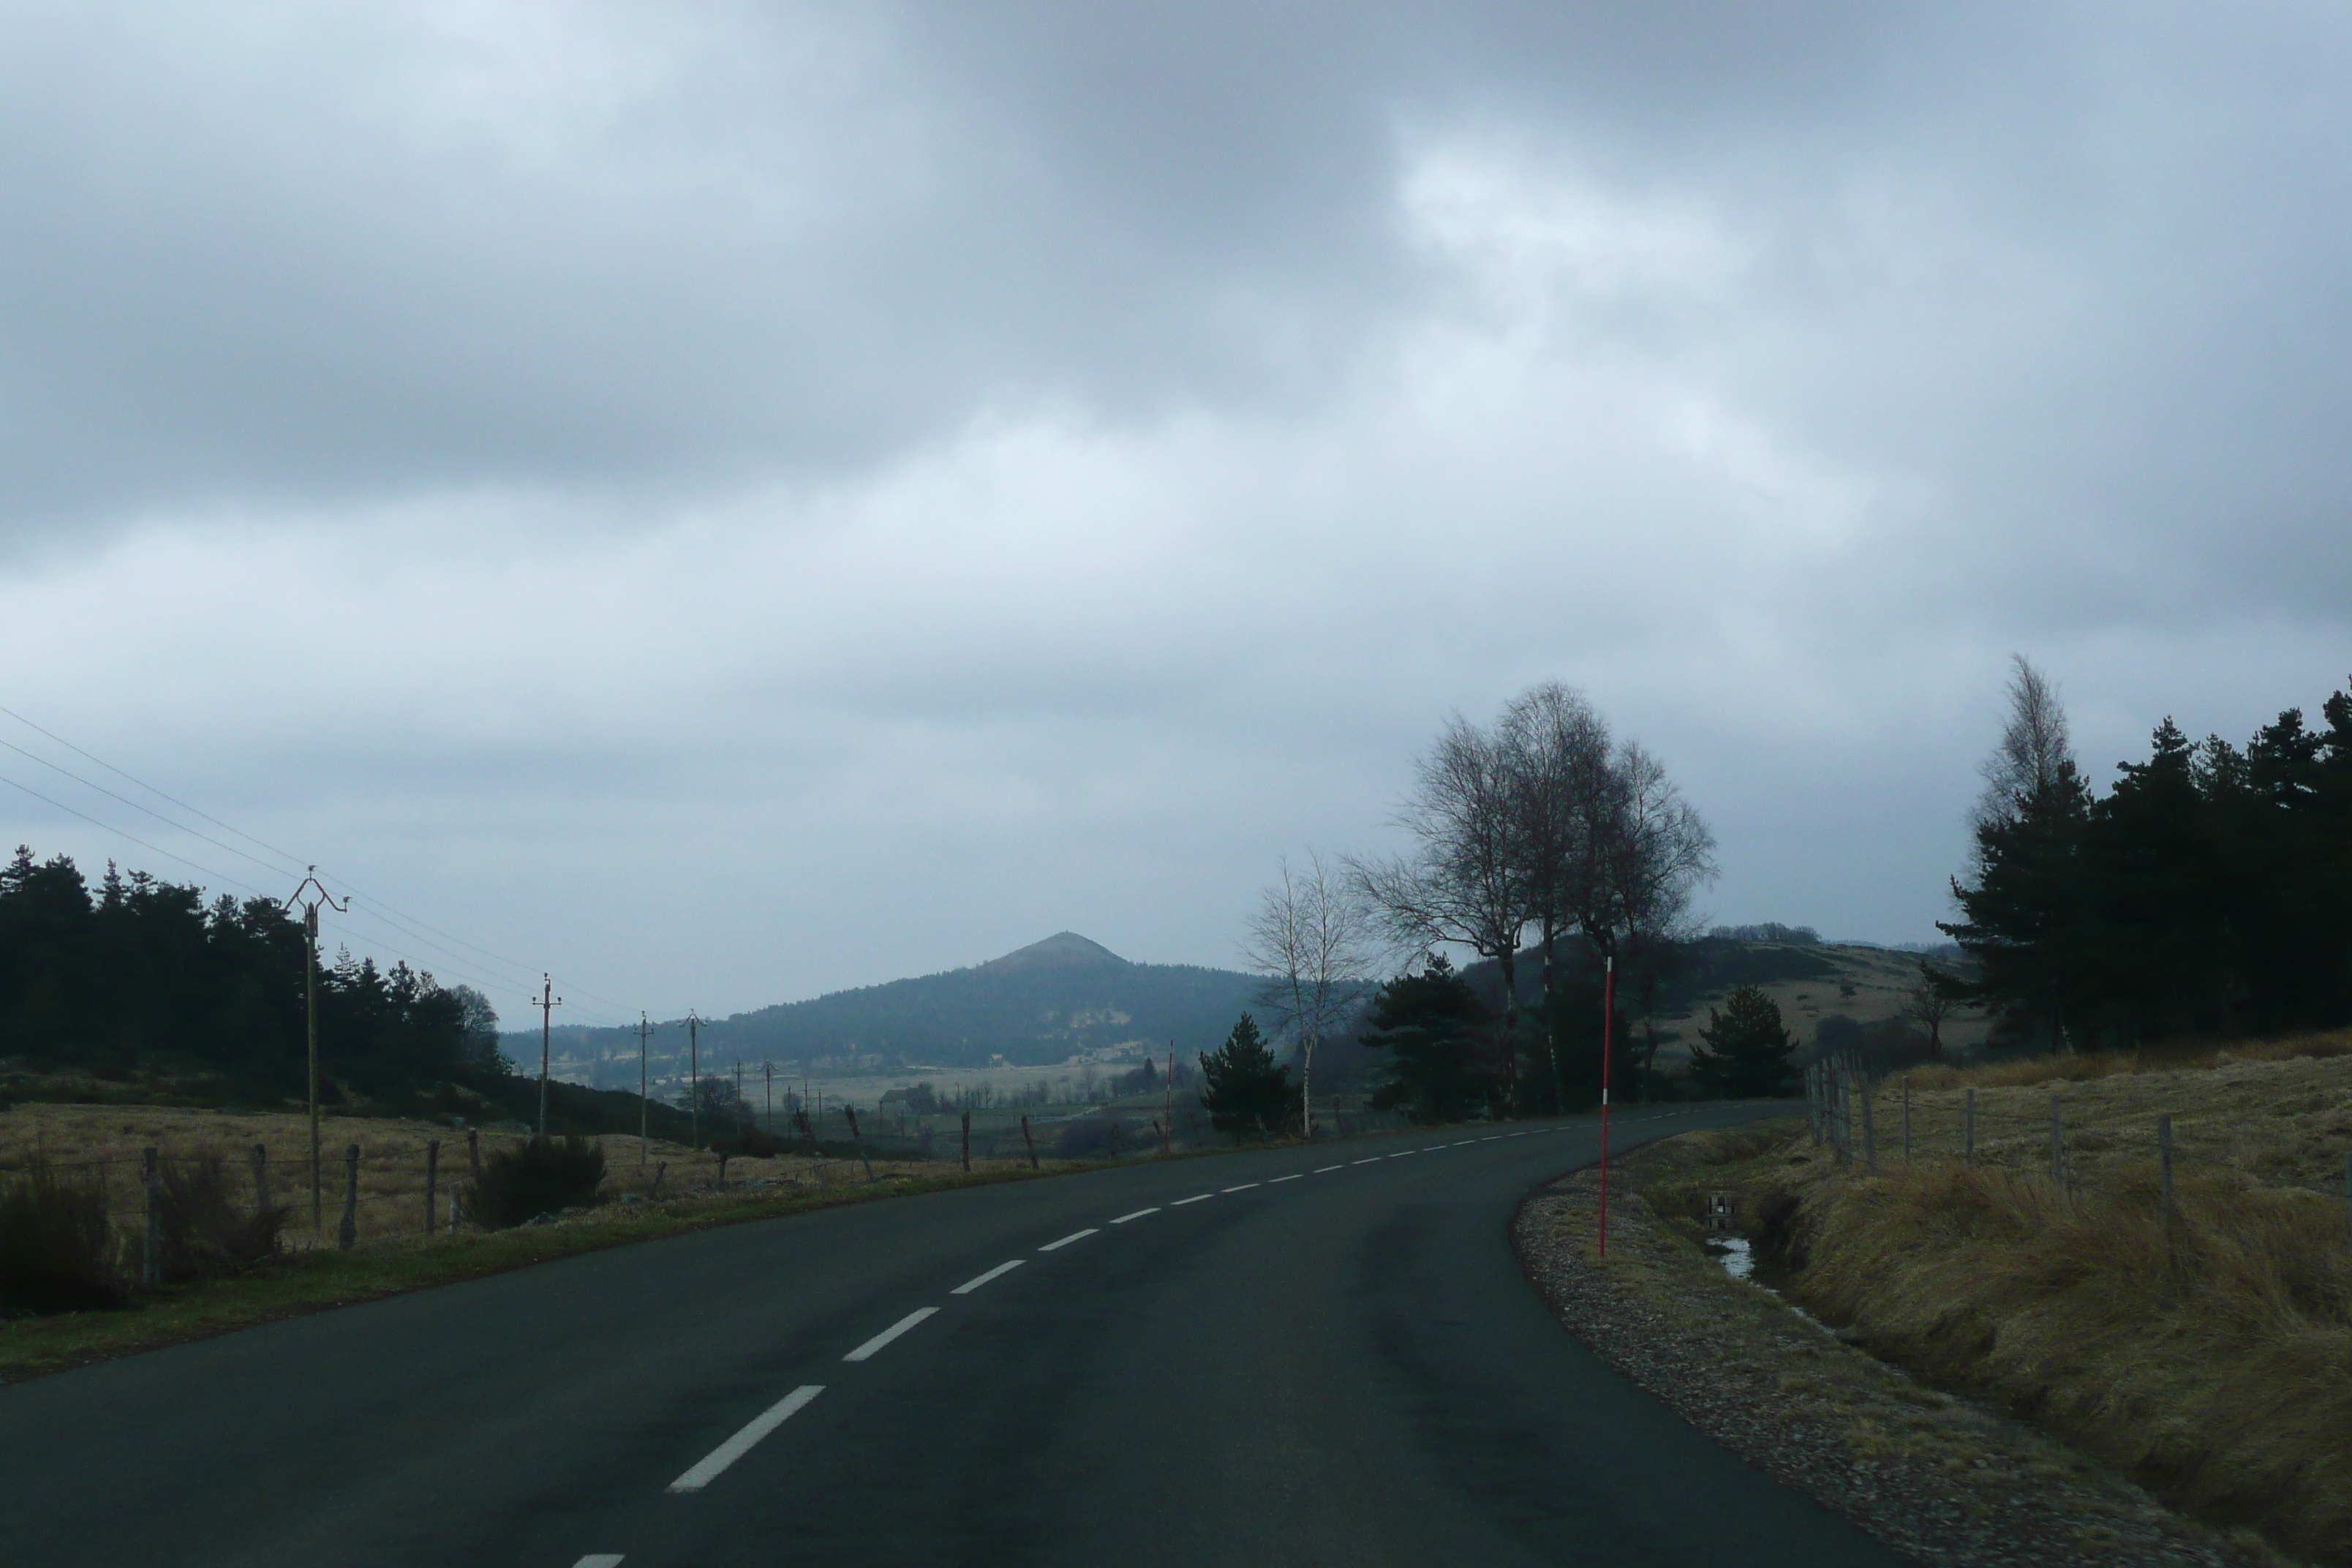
{"points": [[750, 1143], [542, 1177], [56, 1252], [1090, 1138], [200, 1233]]}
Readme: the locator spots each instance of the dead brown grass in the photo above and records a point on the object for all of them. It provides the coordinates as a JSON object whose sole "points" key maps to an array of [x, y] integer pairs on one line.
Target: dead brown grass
{"points": [[2283, 1117], [2210, 1358], [104, 1140]]}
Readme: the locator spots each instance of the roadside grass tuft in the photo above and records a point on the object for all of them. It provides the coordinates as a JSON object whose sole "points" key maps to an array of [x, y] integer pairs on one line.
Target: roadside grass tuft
{"points": [[200, 1232], [57, 1251], [2215, 1367]]}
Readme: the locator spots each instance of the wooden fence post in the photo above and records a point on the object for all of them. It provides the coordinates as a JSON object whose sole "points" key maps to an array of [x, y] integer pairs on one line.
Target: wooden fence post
{"points": [[2057, 1146], [474, 1152], [260, 1178], [1869, 1130], [859, 1140], [1841, 1131], [967, 1140], [1031, 1143], [150, 1267], [432, 1179], [347, 1235], [1969, 1129], [2164, 1182]]}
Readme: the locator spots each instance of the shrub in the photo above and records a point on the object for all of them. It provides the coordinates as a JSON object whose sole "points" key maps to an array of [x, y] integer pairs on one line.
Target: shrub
{"points": [[542, 1177], [1089, 1138], [200, 1233], [57, 1253]]}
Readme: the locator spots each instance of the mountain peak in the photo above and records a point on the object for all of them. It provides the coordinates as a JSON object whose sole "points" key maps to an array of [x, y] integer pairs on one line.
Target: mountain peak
{"points": [[1063, 950]]}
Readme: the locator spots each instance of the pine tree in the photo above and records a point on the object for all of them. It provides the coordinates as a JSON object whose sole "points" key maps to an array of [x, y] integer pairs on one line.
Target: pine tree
{"points": [[1430, 1025], [1746, 1056], [1245, 1091]]}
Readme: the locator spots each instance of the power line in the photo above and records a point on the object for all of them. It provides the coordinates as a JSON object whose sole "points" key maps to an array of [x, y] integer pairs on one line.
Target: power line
{"points": [[150, 789], [152, 848], [158, 815], [383, 908]]}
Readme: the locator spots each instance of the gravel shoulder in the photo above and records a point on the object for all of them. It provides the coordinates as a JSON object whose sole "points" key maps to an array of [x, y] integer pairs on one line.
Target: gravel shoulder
{"points": [[1939, 1478]]}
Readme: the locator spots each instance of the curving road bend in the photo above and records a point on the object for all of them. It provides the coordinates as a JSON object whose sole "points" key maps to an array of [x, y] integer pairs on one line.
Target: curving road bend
{"points": [[1279, 1356]]}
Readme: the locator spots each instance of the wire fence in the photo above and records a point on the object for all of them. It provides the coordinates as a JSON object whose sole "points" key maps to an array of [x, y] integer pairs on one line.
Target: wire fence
{"points": [[376, 1183], [2102, 1136]]}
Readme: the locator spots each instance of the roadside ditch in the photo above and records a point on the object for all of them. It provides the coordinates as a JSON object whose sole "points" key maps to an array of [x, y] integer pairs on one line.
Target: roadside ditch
{"points": [[1947, 1472]]}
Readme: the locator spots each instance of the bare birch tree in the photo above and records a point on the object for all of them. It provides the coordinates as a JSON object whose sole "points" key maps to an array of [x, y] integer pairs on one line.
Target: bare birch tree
{"points": [[2036, 750], [1466, 883], [1312, 938], [1651, 852], [1558, 750]]}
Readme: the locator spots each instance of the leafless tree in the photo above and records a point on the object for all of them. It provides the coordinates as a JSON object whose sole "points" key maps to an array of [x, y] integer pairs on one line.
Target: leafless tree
{"points": [[1651, 852], [1312, 938], [1466, 883], [2036, 750], [1559, 752], [1928, 1005]]}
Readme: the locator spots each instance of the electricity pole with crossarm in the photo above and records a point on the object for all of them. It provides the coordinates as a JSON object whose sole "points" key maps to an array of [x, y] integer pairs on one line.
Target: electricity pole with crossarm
{"points": [[547, 1002]]}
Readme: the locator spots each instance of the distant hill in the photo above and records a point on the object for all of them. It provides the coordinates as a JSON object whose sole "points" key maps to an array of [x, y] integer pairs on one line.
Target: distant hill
{"points": [[1037, 1006]]}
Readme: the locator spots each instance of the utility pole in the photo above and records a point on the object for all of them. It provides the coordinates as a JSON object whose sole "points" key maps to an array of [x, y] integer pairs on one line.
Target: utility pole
{"points": [[769, 1069], [1608, 1013], [547, 1002], [645, 1111], [310, 884], [694, 1074]]}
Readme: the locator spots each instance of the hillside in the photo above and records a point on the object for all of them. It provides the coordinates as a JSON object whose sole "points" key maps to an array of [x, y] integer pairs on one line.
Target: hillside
{"points": [[1063, 997], [1846, 986]]}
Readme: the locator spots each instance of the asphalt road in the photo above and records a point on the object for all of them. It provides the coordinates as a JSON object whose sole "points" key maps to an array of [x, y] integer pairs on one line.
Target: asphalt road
{"points": [[1332, 1357]]}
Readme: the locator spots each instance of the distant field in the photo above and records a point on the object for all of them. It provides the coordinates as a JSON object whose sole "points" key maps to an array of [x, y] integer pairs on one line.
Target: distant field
{"points": [[107, 1140]]}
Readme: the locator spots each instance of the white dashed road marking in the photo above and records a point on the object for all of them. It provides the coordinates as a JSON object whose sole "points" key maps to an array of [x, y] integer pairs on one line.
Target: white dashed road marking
{"points": [[867, 1351], [999, 1272], [767, 1421], [1243, 1188], [599, 1560], [1319, 1169], [1074, 1235], [1373, 1161], [1196, 1197], [1292, 1177], [1136, 1215]]}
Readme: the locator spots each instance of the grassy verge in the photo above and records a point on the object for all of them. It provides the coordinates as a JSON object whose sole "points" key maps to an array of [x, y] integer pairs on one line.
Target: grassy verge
{"points": [[1948, 1482], [302, 1283], [2209, 1357]]}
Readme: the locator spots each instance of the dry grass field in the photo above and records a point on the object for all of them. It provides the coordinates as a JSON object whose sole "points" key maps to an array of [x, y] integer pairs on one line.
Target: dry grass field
{"points": [[108, 1140]]}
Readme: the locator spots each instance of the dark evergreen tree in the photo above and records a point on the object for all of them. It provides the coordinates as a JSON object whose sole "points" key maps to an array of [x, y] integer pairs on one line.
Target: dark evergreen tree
{"points": [[2209, 892], [1746, 1054], [1436, 1033], [146, 976], [2024, 920], [1575, 1027], [1245, 1090]]}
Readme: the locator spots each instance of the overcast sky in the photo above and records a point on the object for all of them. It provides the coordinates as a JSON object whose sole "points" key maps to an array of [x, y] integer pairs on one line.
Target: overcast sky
{"points": [[727, 503]]}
